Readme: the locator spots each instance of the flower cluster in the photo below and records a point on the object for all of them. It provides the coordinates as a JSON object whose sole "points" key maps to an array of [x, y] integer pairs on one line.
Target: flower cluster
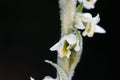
{"points": [[82, 21], [75, 24]]}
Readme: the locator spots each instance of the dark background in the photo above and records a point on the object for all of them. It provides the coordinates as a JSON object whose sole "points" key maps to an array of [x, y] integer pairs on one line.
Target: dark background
{"points": [[28, 28]]}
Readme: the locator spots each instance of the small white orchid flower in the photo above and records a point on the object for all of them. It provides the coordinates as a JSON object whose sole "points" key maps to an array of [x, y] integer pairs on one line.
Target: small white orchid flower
{"points": [[88, 23], [88, 4], [65, 45]]}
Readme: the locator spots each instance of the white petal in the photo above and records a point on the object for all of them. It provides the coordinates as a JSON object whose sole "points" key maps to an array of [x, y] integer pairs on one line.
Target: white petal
{"points": [[88, 5], [84, 33], [48, 78], [77, 47], [80, 26], [56, 46], [99, 29], [78, 23], [71, 39], [94, 1], [96, 19], [85, 17], [31, 78]]}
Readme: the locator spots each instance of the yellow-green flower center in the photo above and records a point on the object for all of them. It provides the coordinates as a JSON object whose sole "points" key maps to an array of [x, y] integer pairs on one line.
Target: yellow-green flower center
{"points": [[65, 45]]}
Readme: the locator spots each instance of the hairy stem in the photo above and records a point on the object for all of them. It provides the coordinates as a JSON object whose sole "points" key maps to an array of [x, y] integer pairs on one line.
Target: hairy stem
{"points": [[67, 14]]}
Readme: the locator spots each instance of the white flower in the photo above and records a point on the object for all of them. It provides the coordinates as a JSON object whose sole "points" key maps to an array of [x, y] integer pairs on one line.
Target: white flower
{"points": [[88, 4], [89, 23], [65, 45], [31, 78]]}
